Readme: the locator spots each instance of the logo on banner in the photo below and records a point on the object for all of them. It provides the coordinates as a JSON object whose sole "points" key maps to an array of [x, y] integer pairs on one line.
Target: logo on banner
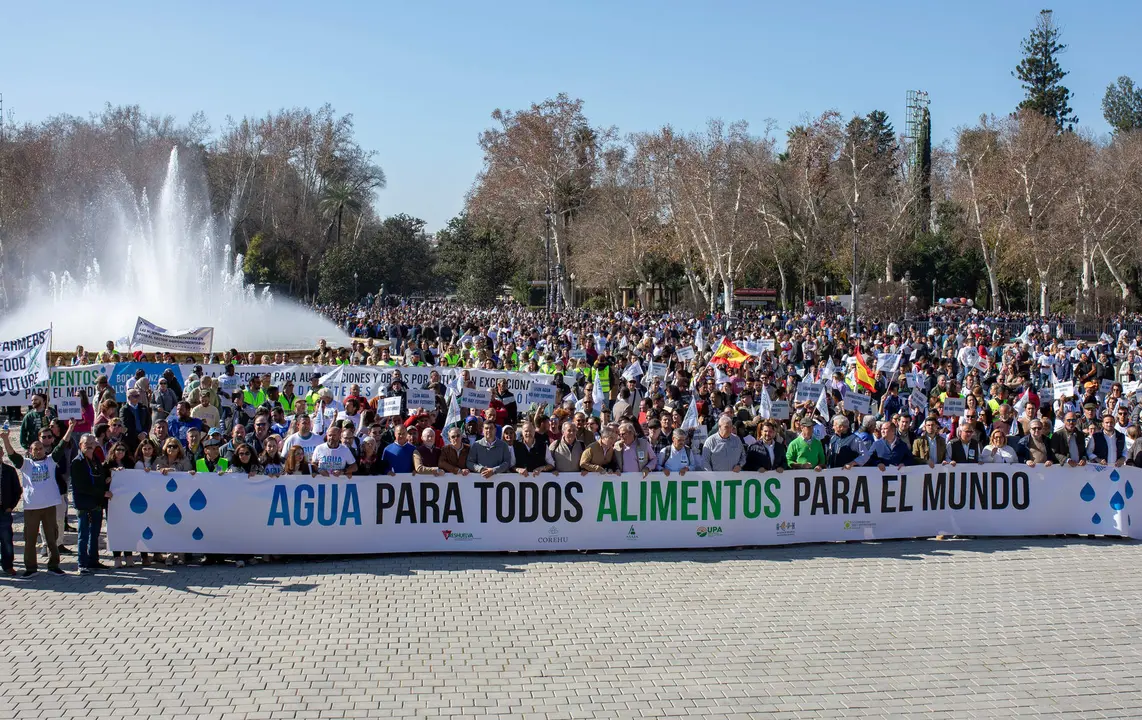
{"points": [[709, 531], [631, 534], [859, 525], [552, 536], [173, 515], [785, 529], [457, 536], [1117, 500]]}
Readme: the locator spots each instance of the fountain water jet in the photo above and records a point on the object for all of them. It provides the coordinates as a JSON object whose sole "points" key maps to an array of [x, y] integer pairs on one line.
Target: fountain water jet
{"points": [[161, 263]]}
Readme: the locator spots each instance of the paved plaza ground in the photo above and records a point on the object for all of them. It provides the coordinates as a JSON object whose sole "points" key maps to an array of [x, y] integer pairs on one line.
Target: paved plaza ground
{"points": [[990, 628]]}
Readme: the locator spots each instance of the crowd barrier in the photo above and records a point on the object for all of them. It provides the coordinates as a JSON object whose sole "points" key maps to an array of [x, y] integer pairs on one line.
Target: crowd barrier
{"points": [[297, 515]]}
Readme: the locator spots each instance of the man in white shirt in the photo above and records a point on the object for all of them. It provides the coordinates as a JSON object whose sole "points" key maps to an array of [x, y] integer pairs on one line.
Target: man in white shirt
{"points": [[304, 438], [331, 458]]}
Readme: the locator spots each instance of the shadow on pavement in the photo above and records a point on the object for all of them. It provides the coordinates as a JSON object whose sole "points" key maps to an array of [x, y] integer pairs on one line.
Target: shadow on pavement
{"points": [[304, 574]]}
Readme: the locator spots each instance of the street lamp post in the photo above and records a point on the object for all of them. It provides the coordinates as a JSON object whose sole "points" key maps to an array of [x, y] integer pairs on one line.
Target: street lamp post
{"points": [[907, 291], [1028, 296], [825, 279], [547, 252], [355, 295]]}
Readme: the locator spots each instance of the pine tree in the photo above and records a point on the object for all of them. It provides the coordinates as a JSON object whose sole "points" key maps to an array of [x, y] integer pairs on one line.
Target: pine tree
{"points": [[1042, 75]]}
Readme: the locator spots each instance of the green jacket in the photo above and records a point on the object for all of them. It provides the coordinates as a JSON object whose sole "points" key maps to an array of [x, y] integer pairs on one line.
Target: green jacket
{"points": [[219, 467], [799, 452]]}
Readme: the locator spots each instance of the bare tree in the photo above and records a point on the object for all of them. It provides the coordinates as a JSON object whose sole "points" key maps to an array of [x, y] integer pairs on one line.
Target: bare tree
{"points": [[982, 183], [537, 160]]}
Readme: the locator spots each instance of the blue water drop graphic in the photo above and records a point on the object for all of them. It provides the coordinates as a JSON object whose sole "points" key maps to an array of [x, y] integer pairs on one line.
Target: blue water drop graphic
{"points": [[1087, 493], [197, 500], [148, 534], [1114, 475], [173, 515], [1096, 519], [1116, 501], [172, 485], [197, 534], [1129, 490], [138, 504]]}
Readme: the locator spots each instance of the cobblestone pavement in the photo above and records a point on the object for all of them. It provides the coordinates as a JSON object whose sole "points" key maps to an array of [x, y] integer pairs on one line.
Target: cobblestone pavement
{"points": [[979, 628]]}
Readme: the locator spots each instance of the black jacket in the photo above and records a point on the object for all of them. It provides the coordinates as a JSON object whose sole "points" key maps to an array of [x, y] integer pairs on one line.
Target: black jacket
{"points": [[131, 437], [959, 454], [757, 457], [10, 489], [1060, 445], [88, 484]]}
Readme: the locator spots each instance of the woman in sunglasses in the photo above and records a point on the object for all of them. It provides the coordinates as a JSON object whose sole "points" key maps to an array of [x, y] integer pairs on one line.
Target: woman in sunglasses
{"points": [[173, 458], [119, 459]]}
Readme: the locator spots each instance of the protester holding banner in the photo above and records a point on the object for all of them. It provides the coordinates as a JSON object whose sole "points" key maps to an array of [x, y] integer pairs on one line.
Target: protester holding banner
{"points": [[41, 498], [90, 491]]}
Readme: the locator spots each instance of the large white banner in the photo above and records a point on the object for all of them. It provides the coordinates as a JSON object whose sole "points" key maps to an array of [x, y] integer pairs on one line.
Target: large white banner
{"points": [[293, 515], [194, 340], [67, 381], [24, 361]]}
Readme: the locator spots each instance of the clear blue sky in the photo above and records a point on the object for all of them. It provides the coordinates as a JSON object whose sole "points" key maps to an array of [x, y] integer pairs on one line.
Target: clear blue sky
{"points": [[421, 78]]}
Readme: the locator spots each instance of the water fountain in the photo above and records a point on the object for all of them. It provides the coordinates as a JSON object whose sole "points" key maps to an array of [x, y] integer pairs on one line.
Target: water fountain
{"points": [[168, 261]]}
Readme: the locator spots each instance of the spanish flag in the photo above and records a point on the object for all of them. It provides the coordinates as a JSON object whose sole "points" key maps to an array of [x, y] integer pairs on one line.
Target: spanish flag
{"points": [[862, 374], [729, 354]]}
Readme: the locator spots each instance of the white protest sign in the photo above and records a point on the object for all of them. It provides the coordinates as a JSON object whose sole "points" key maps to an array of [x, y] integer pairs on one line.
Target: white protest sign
{"points": [[858, 402], [918, 399], [475, 399], [685, 354], [197, 340], [1064, 389], [656, 369], [540, 394], [888, 362], [69, 409], [779, 410], [390, 406], [699, 437], [421, 399], [916, 380], [1106, 386], [954, 407], [578, 354], [808, 392], [767, 345], [24, 361]]}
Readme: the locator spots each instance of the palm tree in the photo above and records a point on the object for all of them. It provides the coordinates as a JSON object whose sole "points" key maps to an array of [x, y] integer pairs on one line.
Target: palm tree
{"points": [[335, 199]]}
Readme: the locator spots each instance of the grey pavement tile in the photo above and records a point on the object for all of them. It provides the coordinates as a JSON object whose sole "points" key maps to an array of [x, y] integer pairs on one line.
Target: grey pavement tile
{"points": [[976, 628]]}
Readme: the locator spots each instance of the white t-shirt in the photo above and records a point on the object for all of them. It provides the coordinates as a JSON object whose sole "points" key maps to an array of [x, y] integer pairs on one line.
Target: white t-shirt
{"points": [[327, 459], [308, 444], [38, 477], [229, 385]]}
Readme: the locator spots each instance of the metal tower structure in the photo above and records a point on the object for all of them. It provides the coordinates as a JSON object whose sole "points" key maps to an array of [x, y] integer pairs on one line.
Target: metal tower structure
{"points": [[916, 110]]}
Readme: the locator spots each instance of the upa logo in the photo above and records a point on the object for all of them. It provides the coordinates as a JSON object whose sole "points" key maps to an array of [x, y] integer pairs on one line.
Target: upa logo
{"points": [[632, 534], [709, 531]]}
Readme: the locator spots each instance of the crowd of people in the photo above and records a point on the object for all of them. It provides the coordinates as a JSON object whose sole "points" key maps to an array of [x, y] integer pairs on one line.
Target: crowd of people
{"points": [[638, 393]]}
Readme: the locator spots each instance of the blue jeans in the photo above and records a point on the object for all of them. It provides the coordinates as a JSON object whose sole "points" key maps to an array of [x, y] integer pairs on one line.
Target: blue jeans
{"points": [[7, 549], [90, 525]]}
